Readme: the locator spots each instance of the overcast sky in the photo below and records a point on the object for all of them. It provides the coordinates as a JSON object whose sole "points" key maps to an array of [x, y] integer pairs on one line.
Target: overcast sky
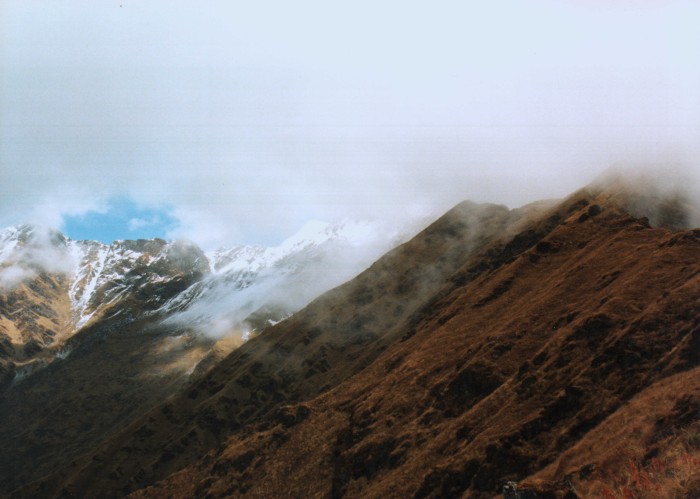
{"points": [[228, 122]]}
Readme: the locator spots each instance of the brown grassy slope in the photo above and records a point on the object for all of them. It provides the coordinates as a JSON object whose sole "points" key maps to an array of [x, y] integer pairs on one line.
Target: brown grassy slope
{"points": [[34, 315], [498, 379], [336, 336], [649, 447]]}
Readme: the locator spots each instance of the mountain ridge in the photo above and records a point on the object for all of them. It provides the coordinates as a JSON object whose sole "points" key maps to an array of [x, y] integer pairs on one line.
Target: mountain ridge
{"points": [[485, 355], [275, 363], [370, 431], [420, 423]]}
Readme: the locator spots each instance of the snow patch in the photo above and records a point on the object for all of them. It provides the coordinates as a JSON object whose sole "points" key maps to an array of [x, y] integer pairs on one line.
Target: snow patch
{"points": [[86, 278]]}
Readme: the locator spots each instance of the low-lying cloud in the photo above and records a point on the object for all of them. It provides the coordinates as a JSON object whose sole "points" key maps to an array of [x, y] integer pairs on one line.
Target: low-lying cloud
{"points": [[276, 282], [667, 194], [30, 252], [246, 121], [14, 275]]}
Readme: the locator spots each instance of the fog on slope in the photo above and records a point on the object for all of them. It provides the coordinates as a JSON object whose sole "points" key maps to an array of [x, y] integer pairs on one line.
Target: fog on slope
{"points": [[253, 287], [667, 194], [26, 251], [243, 288]]}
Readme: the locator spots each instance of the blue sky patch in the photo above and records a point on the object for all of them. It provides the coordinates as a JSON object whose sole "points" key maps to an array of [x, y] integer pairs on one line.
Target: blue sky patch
{"points": [[123, 219]]}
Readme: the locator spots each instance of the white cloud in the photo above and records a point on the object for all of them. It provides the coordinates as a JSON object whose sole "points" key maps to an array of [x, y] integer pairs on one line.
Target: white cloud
{"points": [[250, 119], [12, 276], [39, 251], [137, 223]]}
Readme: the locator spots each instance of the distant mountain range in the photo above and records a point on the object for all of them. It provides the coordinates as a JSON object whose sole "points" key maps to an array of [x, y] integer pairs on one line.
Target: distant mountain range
{"points": [[548, 351], [52, 287]]}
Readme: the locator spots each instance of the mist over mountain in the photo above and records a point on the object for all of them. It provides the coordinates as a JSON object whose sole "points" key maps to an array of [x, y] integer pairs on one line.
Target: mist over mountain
{"points": [[348, 250], [229, 292], [85, 325], [492, 353], [278, 280]]}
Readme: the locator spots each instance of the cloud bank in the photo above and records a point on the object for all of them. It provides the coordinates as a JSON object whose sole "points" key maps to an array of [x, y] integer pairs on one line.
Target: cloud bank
{"points": [[244, 120]]}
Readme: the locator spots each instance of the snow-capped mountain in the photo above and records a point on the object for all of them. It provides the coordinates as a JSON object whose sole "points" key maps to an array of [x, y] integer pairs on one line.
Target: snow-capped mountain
{"points": [[104, 275], [52, 287]]}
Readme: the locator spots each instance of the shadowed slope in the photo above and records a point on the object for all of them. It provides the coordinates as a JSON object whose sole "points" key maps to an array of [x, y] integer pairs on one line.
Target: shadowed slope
{"points": [[110, 372]]}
